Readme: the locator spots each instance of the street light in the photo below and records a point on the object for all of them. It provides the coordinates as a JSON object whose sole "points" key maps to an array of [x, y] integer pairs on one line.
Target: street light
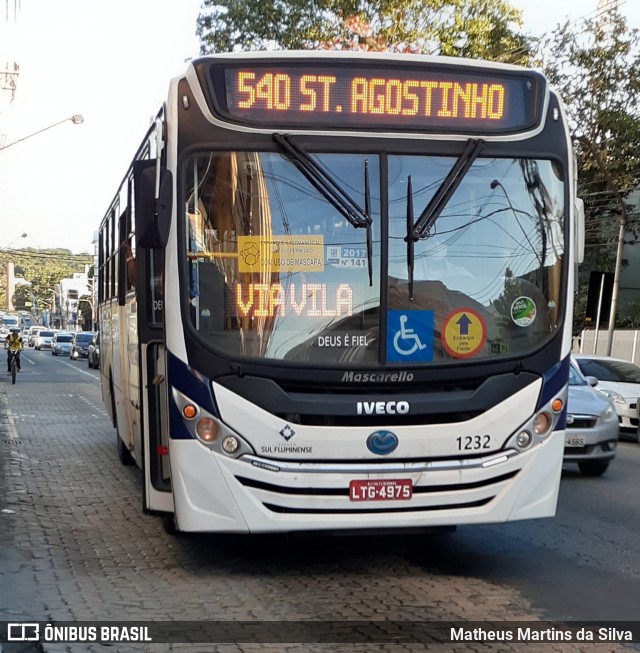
{"points": [[2, 249], [76, 119]]}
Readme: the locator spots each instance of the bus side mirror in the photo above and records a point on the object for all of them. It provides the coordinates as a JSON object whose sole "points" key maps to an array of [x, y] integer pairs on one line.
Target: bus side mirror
{"points": [[153, 214], [580, 229]]}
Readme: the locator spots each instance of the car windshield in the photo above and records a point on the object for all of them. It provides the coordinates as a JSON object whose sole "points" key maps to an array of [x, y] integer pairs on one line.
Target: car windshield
{"points": [[575, 376], [292, 273], [84, 338], [46, 334], [64, 338], [610, 370]]}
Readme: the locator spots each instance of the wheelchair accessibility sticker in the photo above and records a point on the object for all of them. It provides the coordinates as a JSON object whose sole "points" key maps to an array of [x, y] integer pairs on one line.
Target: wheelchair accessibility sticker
{"points": [[463, 333], [409, 336]]}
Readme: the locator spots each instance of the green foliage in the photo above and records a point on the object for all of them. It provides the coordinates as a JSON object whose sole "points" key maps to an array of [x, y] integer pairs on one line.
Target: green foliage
{"points": [[596, 68], [43, 268], [597, 72], [461, 28]]}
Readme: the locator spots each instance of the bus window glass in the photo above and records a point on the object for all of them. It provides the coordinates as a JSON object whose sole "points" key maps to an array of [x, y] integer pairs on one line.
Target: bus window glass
{"points": [[487, 275], [275, 270]]}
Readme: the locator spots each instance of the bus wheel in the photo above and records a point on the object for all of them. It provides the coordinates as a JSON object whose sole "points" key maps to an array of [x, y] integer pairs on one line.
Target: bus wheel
{"points": [[124, 455], [169, 524]]}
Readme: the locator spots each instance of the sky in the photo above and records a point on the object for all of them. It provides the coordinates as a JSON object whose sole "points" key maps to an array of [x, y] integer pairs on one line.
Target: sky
{"points": [[110, 61]]}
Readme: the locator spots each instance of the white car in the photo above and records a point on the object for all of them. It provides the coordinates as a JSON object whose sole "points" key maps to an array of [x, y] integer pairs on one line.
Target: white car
{"points": [[43, 340], [620, 381]]}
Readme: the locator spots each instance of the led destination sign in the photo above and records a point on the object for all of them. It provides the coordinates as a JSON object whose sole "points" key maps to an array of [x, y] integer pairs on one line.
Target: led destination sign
{"points": [[399, 98]]}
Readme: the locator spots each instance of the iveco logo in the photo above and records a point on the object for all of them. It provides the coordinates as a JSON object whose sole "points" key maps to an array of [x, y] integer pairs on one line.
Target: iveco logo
{"points": [[382, 407], [382, 442]]}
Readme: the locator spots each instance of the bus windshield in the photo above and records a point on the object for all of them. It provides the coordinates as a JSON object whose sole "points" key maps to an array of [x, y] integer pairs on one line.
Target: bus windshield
{"points": [[276, 272]]}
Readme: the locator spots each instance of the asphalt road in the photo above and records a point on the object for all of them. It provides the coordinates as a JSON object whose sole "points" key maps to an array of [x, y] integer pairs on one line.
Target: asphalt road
{"points": [[582, 565]]}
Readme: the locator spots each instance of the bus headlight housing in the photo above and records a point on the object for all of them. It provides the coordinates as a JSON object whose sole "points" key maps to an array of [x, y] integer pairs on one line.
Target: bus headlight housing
{"points": [[539, 426], [209, 429]]}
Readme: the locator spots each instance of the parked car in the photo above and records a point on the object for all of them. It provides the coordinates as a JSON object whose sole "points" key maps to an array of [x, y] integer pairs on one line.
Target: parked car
{"points": [[43, 339], [80, 344], [592, 430], [620, 381], [93, 352], [61, 343]]}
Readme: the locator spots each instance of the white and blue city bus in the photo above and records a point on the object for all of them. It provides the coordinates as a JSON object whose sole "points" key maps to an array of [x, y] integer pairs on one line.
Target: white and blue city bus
{"points": [[351, 303]]}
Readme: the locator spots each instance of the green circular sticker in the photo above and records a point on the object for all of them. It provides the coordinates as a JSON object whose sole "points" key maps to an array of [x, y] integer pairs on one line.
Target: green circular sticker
{"points": [[523, 311]]}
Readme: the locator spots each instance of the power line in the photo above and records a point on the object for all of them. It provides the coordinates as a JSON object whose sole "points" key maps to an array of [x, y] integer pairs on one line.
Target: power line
{"points": [[595, 14]]}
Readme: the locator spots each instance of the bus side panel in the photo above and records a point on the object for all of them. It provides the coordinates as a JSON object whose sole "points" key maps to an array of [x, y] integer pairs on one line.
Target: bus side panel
{"points": [[110, 360]]}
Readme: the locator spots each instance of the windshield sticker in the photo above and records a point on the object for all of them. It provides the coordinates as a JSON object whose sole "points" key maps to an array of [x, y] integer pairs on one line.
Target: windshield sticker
{"points": [[346, 340], [463, 333], [523, 311], [280, 254], [409, 336], [340, 256]]}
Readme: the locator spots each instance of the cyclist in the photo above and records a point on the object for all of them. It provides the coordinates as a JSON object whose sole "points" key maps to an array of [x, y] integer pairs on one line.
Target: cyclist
{"points": [[14, 344]]}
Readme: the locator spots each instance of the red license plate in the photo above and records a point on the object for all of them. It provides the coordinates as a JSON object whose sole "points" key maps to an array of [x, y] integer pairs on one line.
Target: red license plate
{"points": [[382, 490]]}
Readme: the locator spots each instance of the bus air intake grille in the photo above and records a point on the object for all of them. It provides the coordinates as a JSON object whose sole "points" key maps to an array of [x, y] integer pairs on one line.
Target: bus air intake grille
{"points": [[344, 491], [355, 511]]}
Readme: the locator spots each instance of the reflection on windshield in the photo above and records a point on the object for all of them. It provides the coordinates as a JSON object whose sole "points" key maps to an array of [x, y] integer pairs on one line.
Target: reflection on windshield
{"points": [[487, 275], [275, 270], [289, 270]]}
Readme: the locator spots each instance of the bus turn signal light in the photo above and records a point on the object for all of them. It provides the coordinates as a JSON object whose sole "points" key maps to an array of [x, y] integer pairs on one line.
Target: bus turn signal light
{"points": [[557, 405], [189, 411]]}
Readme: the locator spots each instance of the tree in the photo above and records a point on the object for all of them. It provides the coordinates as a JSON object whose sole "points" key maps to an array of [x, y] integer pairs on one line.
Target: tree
{"points": [[596, 69], [43, 268], [462, 28]]}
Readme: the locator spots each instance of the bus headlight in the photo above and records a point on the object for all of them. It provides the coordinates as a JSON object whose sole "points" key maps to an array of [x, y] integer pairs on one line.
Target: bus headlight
{"points": [[230, 444], [542, 423], [207, 429], [524, 439]]}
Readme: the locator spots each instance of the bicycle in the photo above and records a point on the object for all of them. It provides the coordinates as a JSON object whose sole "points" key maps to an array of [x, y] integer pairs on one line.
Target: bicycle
{"points": [[14, 369]]}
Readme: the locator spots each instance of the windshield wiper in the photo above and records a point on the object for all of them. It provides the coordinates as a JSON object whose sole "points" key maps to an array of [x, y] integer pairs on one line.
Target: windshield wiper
{"points": [[329, 188], [422, 226], [409, 239]]}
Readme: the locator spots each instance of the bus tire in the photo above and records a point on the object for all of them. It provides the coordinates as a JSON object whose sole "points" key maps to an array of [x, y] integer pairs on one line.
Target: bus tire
{"points": [[124, 455], [169, 524]]}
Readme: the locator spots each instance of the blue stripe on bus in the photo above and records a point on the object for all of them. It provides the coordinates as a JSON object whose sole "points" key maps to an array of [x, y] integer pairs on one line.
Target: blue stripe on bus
{"points": [[553, 382], [192, 384]]}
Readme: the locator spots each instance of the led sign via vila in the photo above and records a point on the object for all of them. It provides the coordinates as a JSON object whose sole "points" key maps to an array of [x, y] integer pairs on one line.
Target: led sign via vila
{"points": [[308, 299]]}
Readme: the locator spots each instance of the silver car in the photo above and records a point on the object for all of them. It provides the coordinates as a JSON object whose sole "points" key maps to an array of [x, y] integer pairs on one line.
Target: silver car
{"points": [[61, 344], [591, 437]]}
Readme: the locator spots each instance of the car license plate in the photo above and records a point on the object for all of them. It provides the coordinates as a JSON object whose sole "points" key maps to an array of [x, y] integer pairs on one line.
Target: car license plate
{"points": [[381, 490], [574, 441]]}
